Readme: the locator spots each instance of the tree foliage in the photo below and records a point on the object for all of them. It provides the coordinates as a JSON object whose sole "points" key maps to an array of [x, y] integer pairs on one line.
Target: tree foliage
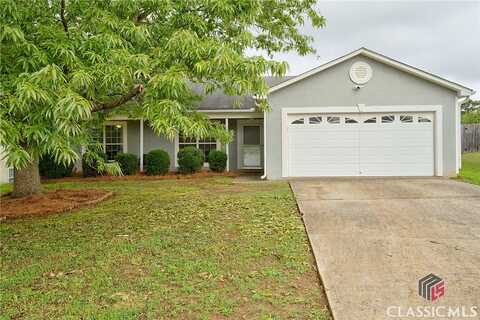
{"points": [[67, 64], [472, 116], [470, 105], [470, 111]]}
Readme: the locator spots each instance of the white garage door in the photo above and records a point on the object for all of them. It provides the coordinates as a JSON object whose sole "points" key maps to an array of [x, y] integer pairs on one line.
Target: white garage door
{"points": [[384, 144]]}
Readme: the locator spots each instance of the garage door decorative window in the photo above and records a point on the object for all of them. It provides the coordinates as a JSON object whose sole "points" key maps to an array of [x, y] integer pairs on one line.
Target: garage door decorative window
{"points": [[406, 119], [423, 119], [299, 121], [350, 120], [388, 119], [315, 120], [334, 120], [371, 120]]}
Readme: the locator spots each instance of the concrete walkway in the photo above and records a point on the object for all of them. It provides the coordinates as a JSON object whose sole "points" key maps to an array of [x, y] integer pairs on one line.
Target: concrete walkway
{"points": [[374, 238]]}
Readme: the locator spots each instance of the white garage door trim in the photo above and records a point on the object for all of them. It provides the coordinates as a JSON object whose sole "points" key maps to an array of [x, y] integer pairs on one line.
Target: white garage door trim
{"points": [[438, 124]]}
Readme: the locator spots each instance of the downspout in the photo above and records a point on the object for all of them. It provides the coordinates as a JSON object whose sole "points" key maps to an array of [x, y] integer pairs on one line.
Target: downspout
{"points": [[264, 177], [458, 133]]}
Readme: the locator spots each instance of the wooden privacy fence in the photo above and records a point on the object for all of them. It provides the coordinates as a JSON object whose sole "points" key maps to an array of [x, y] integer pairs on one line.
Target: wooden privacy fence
{"points": [[471, 137]]}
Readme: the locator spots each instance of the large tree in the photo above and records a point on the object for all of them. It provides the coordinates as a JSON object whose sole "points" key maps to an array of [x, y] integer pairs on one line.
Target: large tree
{"points": [[65, 64]]}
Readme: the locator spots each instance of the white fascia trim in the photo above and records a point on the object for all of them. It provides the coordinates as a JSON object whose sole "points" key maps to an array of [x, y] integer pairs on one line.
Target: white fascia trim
{"points": [[461, 90], [438, 125], [235, 115], [226, 110]]}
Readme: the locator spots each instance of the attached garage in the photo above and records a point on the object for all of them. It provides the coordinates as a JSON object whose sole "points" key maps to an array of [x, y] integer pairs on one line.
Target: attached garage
{"points": [[363, 114], [360, 144]]}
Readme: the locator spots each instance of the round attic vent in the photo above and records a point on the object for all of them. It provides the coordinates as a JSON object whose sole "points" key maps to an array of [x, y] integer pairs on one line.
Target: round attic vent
{"points": [[360, 72]]}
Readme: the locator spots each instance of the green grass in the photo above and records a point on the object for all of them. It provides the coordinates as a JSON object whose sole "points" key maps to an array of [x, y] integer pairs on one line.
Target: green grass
{"points": [[471, 167], [5, 188], [189, 249]]}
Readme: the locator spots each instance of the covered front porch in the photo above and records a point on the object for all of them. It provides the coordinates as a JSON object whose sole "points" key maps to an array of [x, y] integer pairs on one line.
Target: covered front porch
{"points": [[245, 152]]}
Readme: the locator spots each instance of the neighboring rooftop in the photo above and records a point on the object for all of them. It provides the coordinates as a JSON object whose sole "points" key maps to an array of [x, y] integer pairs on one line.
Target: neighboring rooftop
{"points": [[220, 101]]}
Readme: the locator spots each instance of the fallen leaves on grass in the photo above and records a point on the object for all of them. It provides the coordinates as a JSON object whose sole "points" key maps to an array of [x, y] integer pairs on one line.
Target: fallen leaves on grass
{"points": [[142, 176]]}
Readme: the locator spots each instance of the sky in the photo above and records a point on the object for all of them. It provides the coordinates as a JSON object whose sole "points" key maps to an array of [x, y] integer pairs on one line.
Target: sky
{"points": [[439, 37]]}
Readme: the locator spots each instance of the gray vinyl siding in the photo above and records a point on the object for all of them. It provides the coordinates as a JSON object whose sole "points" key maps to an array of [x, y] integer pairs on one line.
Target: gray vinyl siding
{"points": [[133, 137], [152, 141], [333, 87]]}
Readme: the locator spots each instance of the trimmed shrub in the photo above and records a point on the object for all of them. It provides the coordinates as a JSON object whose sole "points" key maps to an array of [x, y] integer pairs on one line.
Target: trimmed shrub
{"points": [[157, 162], [190, 159], [50, 169], [217, 160], [90, 170], [128, 163]]}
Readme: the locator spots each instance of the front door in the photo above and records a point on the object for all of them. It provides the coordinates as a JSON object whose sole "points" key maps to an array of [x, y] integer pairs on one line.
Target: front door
{"points": [[250, 144]]}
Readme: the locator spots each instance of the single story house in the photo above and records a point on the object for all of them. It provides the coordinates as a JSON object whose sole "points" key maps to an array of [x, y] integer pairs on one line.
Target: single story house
{"points": [[362, 114]]}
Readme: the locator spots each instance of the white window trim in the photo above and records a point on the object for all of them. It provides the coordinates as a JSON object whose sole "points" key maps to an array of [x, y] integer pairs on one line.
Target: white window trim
{"points": [[124, 133], [438, 126], [177, 148]]}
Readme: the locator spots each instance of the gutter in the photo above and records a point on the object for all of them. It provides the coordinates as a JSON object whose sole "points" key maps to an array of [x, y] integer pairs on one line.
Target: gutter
{"points": [[225, 110], [264, 177]]}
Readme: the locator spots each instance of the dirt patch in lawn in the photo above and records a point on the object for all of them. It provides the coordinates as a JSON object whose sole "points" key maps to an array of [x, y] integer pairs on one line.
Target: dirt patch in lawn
{"points": [[62, 200]]}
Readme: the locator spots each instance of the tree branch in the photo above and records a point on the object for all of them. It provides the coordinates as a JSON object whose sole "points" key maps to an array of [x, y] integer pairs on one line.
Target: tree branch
{"points": [[135, 91], [62, 16]]}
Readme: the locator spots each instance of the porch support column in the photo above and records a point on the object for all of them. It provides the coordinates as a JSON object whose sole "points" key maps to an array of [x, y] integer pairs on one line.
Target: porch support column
{"points": [[141, 144], [227, 147]]}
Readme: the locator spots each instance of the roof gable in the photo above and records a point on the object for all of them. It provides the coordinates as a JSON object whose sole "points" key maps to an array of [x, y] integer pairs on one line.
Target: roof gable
{"points": [[461, 90]]}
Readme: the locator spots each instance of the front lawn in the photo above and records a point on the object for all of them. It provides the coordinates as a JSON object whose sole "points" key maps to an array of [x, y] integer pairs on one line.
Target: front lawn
{"points": [[471, 167], [191, 249], [5, 188]]}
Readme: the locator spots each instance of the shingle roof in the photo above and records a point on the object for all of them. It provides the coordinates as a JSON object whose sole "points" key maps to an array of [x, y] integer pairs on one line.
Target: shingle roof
{"points": [[218, 100]]}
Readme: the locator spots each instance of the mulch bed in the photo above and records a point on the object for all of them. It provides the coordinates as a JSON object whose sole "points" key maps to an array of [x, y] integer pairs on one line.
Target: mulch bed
{"points": [[142, 176], [49, 202]]}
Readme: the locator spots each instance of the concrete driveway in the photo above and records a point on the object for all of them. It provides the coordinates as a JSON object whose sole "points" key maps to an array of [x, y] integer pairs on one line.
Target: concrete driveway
{"points": [[374, 238]]}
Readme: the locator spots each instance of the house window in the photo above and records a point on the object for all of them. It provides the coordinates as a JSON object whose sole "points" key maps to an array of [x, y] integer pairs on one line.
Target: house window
{"points": [[205, 144], [11, 175], [114, 139]]}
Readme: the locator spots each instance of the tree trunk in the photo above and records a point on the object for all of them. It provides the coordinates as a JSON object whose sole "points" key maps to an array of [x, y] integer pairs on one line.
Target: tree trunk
{"points": [[27, 181]]}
